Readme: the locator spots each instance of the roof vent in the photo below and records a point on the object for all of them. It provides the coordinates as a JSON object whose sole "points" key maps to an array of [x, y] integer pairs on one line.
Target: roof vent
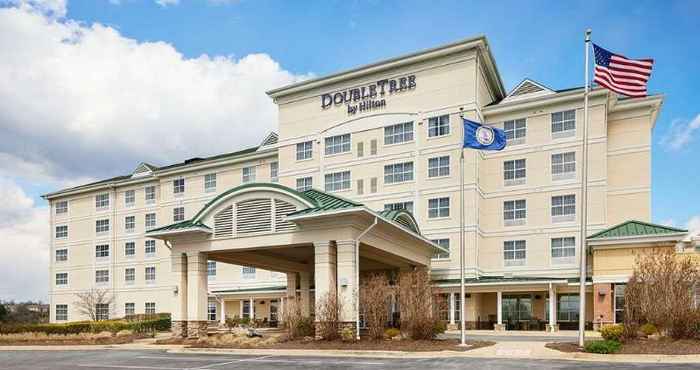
{"points": [[192, 160]]}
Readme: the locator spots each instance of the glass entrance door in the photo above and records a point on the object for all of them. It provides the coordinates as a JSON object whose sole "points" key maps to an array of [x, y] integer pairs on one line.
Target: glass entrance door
{"points": [[274, 312], [517, 311]]}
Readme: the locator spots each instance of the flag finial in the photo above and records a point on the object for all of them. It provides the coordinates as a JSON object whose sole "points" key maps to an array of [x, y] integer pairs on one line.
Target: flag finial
{"points": [[588, 34]]}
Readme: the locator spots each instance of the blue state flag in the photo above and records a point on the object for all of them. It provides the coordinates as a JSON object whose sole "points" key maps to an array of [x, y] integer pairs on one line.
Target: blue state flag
{"points": [[478, 136]]}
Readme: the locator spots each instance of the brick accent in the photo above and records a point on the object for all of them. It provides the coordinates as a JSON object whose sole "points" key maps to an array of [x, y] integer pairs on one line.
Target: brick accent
{"points": [[197, 329], [603, 295], [179, 329]]}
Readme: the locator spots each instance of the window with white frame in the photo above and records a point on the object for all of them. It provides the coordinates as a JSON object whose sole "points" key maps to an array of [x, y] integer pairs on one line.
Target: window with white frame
{"points": [[61, 207], [563, 166], [439, 166], [130, 224], [445, 244], [178, 187], [274, 171], [62, 278], [61, 312], [211, 268], [101, 311], [211, 311], [62, 232], [102, 201], [248, 272], [399, 133], [514, 253], [150, 274], [102, 226], [129, 275], [305, 183], [245, 309], [619, 303], [563, 250], [563, 124], [248, 174], [129, 198], [150, 248], [62, 255], [439, 126], [150, 308], [564, 208], [398, 172], [305, 150], [150, 194], [178, 214], [338, 181], [515, 130], [150, 220], [210, 182], [399, 206], [439, 207], [101, 277], [129, 309], [514, 172], [338, 144], [102, 252], [129, 249], [514, 212], [373, 147]]}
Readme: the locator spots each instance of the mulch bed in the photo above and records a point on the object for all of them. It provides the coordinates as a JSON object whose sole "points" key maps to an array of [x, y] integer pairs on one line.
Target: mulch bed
{"points": [[70, 342], [664, 346]]}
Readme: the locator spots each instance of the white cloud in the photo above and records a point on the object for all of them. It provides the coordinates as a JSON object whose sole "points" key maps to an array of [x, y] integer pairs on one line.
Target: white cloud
{"points": [[165, 3], [693, 225], [681, 133]]}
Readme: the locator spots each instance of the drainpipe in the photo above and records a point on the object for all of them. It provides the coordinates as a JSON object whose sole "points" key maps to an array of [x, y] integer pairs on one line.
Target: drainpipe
{"points": [[357, 275]]}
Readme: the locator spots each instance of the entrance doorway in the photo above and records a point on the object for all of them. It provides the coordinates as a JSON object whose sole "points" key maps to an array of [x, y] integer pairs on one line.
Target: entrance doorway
{"points": [[274, 313], [517, 311]]}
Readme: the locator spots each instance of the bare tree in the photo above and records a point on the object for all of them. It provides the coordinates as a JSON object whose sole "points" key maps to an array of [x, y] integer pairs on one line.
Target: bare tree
{"points": [[87, 303], [419, 308], [375, 293], [328, 312]]}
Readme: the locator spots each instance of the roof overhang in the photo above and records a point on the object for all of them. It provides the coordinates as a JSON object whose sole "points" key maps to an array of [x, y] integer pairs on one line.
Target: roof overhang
{"points": [[506, 282], [165, 234], [621, 242]]}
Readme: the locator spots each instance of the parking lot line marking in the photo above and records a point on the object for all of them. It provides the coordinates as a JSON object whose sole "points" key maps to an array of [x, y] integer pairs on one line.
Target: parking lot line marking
{"points": [[230, 362], [182, 358], [129, 367]]}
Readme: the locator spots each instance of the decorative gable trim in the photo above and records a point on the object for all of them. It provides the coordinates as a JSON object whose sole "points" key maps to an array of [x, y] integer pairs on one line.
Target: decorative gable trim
{"points": [[143, 169], [526, 89]]}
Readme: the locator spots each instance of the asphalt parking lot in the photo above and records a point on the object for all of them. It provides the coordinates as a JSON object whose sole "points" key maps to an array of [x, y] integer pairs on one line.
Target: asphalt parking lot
{"points": [[160, 360]]}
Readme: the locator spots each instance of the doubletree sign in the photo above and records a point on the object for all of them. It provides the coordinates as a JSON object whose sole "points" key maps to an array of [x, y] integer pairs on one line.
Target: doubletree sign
{"points": [[370, 97]]}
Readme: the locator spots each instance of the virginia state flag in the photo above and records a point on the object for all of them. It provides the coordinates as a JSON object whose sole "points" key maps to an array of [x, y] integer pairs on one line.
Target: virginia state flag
{"points": [[478, 136]]}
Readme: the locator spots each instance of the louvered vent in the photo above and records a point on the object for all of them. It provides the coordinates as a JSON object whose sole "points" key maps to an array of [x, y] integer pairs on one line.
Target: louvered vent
{"points": [[282, 209], [404, 222], [223, 223], [254, 216], [526, 88]]}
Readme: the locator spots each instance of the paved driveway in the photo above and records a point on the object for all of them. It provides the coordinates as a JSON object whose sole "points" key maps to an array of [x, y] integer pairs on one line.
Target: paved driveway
{"points": [[160, 360]]}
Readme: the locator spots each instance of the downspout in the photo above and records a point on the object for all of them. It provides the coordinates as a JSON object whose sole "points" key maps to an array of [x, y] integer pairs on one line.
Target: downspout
{"points": [[357, 275]]}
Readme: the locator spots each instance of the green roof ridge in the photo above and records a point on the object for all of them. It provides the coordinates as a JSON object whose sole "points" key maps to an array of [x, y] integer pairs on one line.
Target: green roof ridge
{"points": [[631, 228]]}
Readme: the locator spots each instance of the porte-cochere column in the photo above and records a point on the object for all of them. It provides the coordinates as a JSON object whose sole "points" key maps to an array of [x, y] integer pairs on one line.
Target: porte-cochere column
{"points": [[348, 286], [179, 313], [197, 299]]}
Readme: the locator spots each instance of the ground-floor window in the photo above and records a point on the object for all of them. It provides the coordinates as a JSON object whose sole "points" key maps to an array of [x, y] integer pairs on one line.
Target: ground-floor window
{"points": [[619, 303], [458, 307], [61, 312], [102, 311], [567, 307], [150, 308], [516, 308], [211, 311], [129, 308], [246, 309]]}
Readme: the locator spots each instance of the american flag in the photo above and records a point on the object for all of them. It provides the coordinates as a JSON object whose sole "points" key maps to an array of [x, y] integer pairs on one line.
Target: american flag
{"points": [[622, 75]]}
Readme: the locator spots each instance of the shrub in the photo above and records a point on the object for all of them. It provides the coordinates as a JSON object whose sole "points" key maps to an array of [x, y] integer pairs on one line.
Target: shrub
{"points": [[112, 326], [648, 329], [347, 335], [602, 346], [612, 332], [296, 324], [440, 327], [375, 293], [328, 310], [391, 333], [419, 308]]}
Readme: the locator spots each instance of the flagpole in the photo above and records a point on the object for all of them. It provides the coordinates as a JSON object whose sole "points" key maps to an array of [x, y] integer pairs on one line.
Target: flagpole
{"points": [[584, 202], [461, 246]]}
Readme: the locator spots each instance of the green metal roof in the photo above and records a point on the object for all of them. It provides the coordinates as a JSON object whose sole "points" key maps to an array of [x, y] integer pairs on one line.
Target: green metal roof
{"points": [[325, 202], [187, 224], [263, 289], [634, 228], [500, 279]]}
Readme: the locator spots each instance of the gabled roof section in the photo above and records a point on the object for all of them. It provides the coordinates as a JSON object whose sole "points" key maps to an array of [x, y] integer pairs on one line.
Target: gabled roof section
{"points": [[401, 217], [634, 228], [178, 227], [528, 88], [143, 169], [325, 202], [270, 139]]}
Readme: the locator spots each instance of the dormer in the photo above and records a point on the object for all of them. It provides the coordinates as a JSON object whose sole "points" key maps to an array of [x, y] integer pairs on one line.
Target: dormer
{"points": [[143, 169], [527, 89]]}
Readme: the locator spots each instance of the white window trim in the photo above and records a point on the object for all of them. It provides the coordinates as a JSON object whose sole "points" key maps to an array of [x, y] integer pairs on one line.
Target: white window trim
{"points": [[403, 174], [103, 208], [208, 188], [305, 187], [55, 255], [102, 283], [145, 192], [130, 282], [64, 213], [342, 182], [438, 176], [515, 262], [565, 217], [341, 152], [133, 200], [55, 232], [516, 141], [150, 254], [394, 135], [449, 127], [250, 177], [67, 284], [568, 260], [129, 256], [103, 259], [179, 194], [438, 217], [145, 276], [515, 180], [514, 221], [304, 151]]}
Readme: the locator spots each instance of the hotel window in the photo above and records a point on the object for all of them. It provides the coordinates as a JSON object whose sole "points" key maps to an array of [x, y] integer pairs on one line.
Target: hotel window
{"points": [[515, 131], [398, 172], [246, 309], [400, 133], [399, 206], [102, 277], [129, 309], [439, 126], [178, 214], [619, 303], [567, 307], [178, 187], [101, 311], [514, 253], [338, 181], [248, 272], [563, 166], [248, 174], [129, 276], [438, 207], [305, 150], [150, 220], [62, 278], [211, 311], [62, 232], [129, 249], [150, 194], [564, 208], [514, 212], [61, 312], [274, 171], [373, 147], [102, 201], [61, 255], [563, 124], [514, 172], [150, 308], [445, 244], [373, 185], [102, 252], [304, 183], [130, 224], [337, 144], [101, 226], [150, 274], [61, 207], [360, 187], [150, 248], [209, 182], [211, 268], [439, 166], [360, 149], [563, 250], [129, 198]]}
